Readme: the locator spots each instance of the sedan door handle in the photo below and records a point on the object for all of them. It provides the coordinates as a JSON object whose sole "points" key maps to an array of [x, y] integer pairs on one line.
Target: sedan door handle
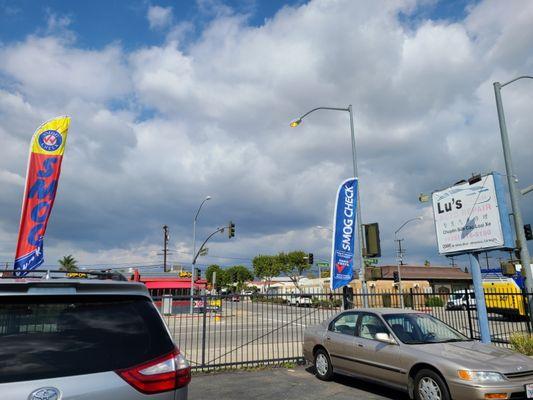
{"points": [[360, 345]]}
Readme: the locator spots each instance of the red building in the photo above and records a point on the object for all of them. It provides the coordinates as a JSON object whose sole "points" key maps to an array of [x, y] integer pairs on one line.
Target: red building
{"points": [[168, 284]]}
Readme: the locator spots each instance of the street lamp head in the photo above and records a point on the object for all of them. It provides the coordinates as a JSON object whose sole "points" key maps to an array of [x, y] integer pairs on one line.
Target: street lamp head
{"points": [[295, 123], [423, 198], [208, 197]]}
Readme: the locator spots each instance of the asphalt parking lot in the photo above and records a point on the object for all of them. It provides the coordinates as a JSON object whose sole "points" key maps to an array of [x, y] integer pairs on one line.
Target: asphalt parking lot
{"points": [[283, 383]]}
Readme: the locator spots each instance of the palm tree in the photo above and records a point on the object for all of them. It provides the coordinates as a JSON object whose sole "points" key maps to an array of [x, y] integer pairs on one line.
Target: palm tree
{"points": [[68, 263]]}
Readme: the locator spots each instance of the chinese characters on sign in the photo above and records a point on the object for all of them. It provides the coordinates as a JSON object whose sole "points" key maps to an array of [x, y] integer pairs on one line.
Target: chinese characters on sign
{"points": [[472, 217]]}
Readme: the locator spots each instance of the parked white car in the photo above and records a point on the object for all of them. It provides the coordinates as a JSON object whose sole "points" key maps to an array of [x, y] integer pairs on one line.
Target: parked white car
{"points": [[461, 300], [300, 300]]}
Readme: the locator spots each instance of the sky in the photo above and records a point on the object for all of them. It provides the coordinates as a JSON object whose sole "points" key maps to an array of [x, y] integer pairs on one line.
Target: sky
{"points": [[172, 101]]}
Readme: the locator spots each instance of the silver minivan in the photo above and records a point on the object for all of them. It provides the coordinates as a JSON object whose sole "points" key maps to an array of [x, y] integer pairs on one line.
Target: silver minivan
{"points": [[74, 339]]}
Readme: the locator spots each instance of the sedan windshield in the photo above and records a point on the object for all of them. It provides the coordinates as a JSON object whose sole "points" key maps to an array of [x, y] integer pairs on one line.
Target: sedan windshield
{"points": [[422, 328]]}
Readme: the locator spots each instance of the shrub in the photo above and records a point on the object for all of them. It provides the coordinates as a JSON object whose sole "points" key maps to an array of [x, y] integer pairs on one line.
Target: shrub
{"points": [[327, 303], [523, 343], [267, 299], [434, 302]]}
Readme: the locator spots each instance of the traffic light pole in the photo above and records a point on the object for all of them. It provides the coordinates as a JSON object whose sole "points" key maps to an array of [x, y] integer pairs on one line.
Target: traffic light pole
{"points": [[194, 263], [219, 230]]}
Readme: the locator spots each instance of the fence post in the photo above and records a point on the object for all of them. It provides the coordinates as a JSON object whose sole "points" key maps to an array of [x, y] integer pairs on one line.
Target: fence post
{"points": [[526, 299], [204, 298], [468, 313], [412, 298]]}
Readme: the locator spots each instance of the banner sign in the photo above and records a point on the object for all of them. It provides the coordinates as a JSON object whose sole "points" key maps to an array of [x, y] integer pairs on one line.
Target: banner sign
{"points": [[44, 166], [344, 234], [472, 217]]}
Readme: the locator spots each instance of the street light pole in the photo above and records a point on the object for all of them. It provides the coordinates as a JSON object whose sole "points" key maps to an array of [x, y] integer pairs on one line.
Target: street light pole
{"points": [[194, 250], [165, 247], [400, 257], [513, 191], [349, 109]]}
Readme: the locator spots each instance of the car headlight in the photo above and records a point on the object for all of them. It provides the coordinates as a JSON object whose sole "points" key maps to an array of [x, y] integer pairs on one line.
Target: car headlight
{"points": [[480, 376]]}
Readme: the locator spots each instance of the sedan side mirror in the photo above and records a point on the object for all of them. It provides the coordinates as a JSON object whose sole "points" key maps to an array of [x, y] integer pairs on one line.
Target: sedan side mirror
{"points": [[385, 338]]}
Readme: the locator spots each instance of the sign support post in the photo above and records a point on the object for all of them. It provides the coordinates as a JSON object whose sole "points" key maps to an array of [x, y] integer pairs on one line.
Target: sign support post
{"points": [[472, 217], [480, 297]]}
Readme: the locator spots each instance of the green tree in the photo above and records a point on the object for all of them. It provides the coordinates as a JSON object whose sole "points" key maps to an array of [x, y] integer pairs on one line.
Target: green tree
{"points": [[266, 267], [221, 279], [293, 264], [239, 274], [68, 263]]}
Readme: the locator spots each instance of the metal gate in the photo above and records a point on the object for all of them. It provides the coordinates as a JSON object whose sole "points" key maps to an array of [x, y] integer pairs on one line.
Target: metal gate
{"points": [[247, 330]]}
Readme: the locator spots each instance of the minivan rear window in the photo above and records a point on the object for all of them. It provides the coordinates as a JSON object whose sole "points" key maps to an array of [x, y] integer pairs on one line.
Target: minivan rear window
{"points": [[46, 337]]}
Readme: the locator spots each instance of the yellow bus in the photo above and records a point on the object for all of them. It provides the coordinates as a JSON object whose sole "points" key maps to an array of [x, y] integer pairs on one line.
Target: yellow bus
{"points": [[503, 296]]}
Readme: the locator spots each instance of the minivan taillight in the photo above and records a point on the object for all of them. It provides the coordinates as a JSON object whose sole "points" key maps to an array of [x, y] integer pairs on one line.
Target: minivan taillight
{"points": [[169, 372]]}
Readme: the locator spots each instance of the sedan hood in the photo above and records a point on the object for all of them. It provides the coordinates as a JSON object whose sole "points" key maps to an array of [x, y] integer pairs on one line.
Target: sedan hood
{"points": [[478, 356]]}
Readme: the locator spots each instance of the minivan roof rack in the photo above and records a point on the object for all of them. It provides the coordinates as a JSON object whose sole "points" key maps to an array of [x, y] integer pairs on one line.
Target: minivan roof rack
{"points": [[60, 274]]}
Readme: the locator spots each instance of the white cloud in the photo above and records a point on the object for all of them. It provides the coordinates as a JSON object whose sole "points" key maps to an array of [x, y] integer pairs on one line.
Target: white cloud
{"points": [[8, 177], [47, 68], [159, 17], [211, 117]]}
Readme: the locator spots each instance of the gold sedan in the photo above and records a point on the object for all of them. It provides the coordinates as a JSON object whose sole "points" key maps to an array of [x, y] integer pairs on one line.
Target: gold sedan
{"points": [[417, 353]]}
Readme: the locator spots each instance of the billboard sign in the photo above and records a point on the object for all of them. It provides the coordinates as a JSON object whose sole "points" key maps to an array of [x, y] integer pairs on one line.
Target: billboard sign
{"points": [[472, 217], [344, 234]]}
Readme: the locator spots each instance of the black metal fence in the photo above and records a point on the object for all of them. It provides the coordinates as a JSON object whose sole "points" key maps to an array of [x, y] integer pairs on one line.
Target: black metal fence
{"points": [[245, 330]]}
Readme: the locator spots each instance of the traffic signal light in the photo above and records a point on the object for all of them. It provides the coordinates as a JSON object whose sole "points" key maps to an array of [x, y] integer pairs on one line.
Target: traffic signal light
{"points": [[347, 297], [198, 273], [372, 242], [231, 230], [310, 259], [396, 276], [527, 231]]}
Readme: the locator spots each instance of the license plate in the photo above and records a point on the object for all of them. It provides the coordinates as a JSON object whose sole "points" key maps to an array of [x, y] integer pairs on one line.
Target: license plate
{"points": [[529, 391]]}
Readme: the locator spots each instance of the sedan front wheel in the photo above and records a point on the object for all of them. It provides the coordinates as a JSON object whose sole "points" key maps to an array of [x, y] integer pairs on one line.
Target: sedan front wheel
{"points": [[323, 367], [430, 386]]}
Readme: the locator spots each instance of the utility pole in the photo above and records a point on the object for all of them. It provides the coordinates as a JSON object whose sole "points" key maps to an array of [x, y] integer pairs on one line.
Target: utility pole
{"points": [[400, 257], [452, 261], [487, 259], [401, 251], [165, 247]]}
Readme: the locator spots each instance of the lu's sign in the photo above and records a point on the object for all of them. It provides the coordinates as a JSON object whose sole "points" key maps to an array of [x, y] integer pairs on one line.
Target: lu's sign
{"points": [[472, 217], [344, 234]]}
